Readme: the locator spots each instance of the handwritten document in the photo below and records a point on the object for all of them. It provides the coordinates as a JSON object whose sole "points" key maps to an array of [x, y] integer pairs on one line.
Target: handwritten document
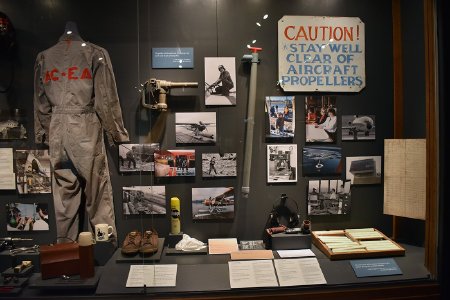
{"points": [[405, 178], [255, 273], [299, 271], [152, 275], [7, 176]]}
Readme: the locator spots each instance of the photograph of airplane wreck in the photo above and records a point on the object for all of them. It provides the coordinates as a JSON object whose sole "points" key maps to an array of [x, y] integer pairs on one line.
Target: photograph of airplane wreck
{"points": [[144, 200], [358, 127], [33, 172], [195, 128], [213, 203]]}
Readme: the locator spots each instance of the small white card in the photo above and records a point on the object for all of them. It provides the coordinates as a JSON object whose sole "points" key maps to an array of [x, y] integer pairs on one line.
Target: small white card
{"points": [[296, 253]]}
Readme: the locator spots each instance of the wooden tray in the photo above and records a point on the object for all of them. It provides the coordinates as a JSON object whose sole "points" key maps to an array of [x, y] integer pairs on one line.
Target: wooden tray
{"points": [[359, 239]]}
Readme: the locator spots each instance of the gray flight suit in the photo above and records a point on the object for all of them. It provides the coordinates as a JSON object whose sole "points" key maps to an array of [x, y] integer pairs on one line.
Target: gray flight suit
{"points": [[75, 98]]}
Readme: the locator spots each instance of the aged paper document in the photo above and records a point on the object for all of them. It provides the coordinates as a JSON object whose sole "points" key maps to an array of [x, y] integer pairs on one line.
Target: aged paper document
{"points": [[7, 176], [152, 275], [405, 177], [299, 271], [223, 246]]}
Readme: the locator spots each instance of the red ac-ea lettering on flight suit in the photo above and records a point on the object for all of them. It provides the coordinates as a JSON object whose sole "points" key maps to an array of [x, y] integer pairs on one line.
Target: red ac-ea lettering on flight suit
{"points": [[71, 74]]}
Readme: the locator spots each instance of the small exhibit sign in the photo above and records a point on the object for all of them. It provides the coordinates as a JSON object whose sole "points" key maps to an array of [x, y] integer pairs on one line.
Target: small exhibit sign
{"points": [[375, 267], [325, 54], [172, 58]]}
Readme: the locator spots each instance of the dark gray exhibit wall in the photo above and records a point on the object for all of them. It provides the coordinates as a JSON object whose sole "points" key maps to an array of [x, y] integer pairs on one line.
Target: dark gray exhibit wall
{"points": [[221, 28]]}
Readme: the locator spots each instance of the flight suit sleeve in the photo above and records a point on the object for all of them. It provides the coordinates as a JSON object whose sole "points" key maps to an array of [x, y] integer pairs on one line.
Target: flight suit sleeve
{"points": [[107, 103], [42, 107]]}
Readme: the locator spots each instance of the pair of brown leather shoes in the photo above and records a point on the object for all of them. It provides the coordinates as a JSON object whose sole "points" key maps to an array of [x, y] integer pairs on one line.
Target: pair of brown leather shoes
{"points": [[146, 243]]}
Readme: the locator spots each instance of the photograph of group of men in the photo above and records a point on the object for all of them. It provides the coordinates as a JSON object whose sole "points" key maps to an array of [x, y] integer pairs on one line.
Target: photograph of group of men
{"points": [[281, 112], [329, 197], [137, 157]]}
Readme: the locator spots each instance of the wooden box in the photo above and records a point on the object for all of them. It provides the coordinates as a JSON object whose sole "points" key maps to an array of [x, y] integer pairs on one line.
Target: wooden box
{"points": [[355, 243]]}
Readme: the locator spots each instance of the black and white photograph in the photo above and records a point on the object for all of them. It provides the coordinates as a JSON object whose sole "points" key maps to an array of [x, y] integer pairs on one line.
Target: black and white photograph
{"points": [[219, 165], [329, 197], [363, 169], [358, 127], [137, 157], [13, 124], [33, 172], [215, 203], [282, 163], [173, 163], [321, 119], [195, 128], [322, 161], [27, 217], [220, 81], [144, 200], [281, 113]]}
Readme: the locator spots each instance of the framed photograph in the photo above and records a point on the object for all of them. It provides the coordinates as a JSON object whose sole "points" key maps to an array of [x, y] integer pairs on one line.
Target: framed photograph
{"points": [[358, 127], [329, 197], [215, 203], [27, 217], [322, 161], [144, 200], [281, 113], [363, 169], [195, 128], [171, 163], [220, 81], [219, 165], [13, 124], [137, 157], [33, 172], [321, 119], [282, 163]]}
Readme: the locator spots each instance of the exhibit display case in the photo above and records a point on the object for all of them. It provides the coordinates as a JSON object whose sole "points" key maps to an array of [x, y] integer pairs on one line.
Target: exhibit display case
{"points": [[222, 149]]}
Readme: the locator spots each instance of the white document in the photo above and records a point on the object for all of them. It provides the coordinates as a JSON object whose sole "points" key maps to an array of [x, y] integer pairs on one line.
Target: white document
{"points": [[299, 271], [223, 246], [255, 273], [152, 275], [296, 253], [6, 161], [8, 181]]}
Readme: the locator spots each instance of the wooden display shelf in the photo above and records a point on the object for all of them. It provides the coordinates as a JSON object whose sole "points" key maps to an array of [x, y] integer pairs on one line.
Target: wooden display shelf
{"points": [[368, 242]]}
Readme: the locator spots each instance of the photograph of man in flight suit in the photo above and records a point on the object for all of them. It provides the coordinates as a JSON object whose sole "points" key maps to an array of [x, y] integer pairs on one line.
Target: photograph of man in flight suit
{"points": [[75, 99]]}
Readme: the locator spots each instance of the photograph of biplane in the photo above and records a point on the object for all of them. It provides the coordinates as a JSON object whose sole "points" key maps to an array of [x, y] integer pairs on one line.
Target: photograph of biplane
{"points": [[213, 203], [219, 165], [171, 163], [33, 172], [329, 197], [282, 163], [358, 127], [195, 128], [144, 200], [13, 124], [137, 157], [281, 113], [322, 161], [363, 169]]}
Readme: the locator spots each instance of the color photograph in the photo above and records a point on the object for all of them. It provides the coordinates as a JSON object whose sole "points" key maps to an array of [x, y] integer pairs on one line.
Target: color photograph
{"points": [[281, 113], [144, 200], [137, 157], [363, 169], [195, 128], [322, 161], [220, 81], [329, 197], [172, 163], [33, 172], [321, 119], [213, 203], [358, 127], [27, 217], [281, 163], [219, 165], [13, 124]]}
